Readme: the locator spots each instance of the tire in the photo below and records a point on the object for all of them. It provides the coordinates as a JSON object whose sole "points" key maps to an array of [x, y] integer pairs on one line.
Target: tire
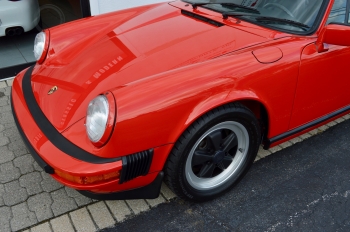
{"points": [[214, 153]]}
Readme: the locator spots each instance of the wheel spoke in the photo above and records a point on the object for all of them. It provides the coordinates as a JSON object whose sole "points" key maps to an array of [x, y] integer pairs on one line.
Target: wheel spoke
{"points": [[201, 157], [207, 170], [214, 140], [230, 142], [227, 161], [221, 165]]}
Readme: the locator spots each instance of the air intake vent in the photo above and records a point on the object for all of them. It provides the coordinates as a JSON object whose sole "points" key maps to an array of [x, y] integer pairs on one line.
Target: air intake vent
{"points": [[204, 19], [136, 165]]}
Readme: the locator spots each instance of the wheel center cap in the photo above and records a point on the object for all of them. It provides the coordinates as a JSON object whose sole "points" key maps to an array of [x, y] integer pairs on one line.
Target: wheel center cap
{"points": [[218, 157]]}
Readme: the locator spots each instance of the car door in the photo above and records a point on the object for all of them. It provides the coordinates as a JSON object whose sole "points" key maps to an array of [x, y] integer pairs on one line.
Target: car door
{"points": [[323, 83]]}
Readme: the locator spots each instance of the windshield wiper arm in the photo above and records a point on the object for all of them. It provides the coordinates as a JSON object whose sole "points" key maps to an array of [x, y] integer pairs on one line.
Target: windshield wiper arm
{"points": [[196, 4], [225, 15], [281, 20]]}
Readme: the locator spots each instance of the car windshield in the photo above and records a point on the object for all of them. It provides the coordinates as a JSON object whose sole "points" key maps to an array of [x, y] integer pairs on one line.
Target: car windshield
{"points": [[290, 15]]}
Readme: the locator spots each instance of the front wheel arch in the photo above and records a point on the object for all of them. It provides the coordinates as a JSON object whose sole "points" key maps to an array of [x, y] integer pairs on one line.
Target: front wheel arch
{"points": [[261, 114], [257, 106], [175, 167]]}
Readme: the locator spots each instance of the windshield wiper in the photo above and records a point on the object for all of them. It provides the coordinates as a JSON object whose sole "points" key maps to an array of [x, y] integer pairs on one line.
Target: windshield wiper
{"points": [[196, 4], [225, 15], [281, 20]]}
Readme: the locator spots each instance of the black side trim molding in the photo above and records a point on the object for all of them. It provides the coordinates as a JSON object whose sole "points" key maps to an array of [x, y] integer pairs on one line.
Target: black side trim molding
{"points": [[150, 191], [47, 168], [268, 142], [50, 131]]}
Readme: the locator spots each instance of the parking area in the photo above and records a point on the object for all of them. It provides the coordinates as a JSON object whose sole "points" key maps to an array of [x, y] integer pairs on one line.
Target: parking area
{"points": [[17, 50], [31, 200], [305, 187]]}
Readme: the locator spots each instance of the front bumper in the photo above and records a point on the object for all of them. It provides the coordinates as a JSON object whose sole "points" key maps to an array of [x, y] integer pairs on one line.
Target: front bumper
{"points": [[50, 157], [150, 191]]}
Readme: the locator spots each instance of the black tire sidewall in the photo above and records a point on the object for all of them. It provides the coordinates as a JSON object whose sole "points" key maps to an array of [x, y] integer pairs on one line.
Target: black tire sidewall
{"points": [[240, 115]]}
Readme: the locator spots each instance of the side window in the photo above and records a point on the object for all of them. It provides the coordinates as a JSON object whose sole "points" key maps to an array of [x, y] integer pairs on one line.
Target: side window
{"points": [[339, 12]]}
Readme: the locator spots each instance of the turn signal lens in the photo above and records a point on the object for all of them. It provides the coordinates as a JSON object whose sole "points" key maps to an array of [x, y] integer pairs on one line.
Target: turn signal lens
{"points": [[85, 180]]}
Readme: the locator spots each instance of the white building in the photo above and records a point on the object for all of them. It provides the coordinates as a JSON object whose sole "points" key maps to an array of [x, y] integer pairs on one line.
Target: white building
{"points": [[105, 6]]}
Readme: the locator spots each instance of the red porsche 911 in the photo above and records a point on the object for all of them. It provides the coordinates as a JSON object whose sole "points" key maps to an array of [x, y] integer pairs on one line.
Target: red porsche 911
{"points": [[184, 91]]}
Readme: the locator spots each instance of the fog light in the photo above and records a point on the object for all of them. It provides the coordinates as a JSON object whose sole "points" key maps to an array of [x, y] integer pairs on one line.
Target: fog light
{"points": [[85, 180]]}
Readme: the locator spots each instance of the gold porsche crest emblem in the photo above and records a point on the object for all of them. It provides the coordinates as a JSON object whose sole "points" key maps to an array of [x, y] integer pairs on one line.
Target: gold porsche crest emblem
{"points": [[52, 90]]}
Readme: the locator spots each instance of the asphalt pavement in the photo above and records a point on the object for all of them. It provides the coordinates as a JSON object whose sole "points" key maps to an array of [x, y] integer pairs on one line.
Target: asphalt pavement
{"points": [[305, 187]]}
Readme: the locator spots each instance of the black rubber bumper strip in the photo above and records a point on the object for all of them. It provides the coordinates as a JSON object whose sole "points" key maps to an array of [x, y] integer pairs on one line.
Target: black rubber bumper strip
{"points": [[56, 138], [150, 191], [47, 168]]}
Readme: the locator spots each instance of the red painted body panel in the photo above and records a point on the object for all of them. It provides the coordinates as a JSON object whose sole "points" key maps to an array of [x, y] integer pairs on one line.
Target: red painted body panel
{"points": [[330, 77], [185, 94], [188, 93], [165, 70], [118, 57]]}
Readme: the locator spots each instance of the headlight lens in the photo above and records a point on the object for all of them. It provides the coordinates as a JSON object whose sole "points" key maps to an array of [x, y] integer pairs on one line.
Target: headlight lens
{"points": [[39, 45], [97, 118]]}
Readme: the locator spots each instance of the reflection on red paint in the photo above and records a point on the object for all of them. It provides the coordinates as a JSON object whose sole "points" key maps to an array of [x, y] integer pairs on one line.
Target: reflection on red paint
{"points": [[71, 96]]}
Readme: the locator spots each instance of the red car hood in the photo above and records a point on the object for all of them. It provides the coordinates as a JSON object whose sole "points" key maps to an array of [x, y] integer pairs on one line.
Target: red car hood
{"points": [[93, 55]]}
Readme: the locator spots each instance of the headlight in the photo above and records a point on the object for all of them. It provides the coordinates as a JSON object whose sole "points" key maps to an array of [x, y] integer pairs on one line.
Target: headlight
{"points": [[100, 119], [41, 44]]}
